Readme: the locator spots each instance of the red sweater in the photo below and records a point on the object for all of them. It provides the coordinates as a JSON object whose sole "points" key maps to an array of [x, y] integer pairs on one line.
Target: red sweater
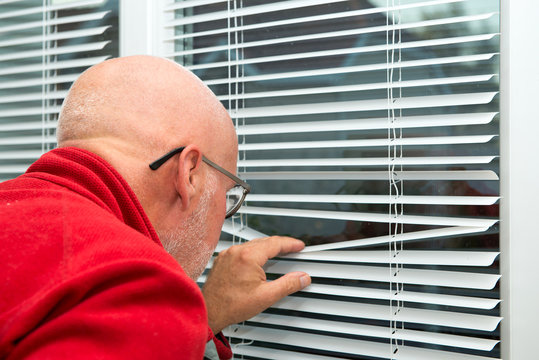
{"points": [[83, 273]]}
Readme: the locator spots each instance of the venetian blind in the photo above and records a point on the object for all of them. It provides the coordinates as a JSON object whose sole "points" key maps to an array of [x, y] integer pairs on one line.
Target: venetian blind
{"points": [[369, 130], [44, 46]]}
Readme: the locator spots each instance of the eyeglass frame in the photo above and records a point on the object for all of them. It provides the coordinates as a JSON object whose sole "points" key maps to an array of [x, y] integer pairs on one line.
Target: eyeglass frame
{"points": [[246, 187]]}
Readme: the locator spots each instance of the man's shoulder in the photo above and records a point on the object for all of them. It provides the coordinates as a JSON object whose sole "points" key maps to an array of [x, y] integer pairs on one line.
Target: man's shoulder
{"points": [[52, 235]]}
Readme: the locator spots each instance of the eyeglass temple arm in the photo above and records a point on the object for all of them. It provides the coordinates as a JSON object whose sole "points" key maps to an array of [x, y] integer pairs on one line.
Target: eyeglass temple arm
{"points": [[227, 173], [157, 163]]}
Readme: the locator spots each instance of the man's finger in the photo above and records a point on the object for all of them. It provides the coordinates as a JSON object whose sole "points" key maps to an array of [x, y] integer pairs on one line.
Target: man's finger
{"points": [[284, 286], [270, 247]]}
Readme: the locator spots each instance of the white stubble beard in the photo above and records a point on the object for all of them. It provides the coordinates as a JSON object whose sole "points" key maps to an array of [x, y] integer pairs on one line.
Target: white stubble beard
{"points": [[187, 242]]}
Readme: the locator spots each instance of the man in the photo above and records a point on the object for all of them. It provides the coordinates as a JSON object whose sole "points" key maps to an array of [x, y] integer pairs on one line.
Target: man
{"points": [[84, 269]]}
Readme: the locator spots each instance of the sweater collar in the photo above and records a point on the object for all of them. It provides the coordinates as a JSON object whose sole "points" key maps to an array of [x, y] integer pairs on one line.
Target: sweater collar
{"points": [[92, 177]]}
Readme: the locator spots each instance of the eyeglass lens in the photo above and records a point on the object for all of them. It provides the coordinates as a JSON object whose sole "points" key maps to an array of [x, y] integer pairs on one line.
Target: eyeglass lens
{"points": [[233, 197]]}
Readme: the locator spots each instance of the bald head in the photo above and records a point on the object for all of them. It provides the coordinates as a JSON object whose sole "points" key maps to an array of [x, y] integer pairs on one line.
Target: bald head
{"points": [[131, 111], [141, 105]]}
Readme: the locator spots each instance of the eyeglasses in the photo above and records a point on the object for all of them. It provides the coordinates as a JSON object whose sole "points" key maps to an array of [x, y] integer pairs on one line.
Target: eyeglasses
{"points": [[234, 196]]}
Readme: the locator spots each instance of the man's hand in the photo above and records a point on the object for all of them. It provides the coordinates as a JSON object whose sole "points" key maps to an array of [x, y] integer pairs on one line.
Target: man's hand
{"points": [[236, 288]]}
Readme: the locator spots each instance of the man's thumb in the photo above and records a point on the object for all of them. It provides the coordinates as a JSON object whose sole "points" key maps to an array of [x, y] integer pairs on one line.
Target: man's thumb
{"points": [[286, 285]]}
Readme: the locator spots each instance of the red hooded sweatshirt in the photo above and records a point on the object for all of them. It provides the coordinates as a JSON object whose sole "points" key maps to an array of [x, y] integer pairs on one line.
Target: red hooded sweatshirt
{"points": [[83, 274]]}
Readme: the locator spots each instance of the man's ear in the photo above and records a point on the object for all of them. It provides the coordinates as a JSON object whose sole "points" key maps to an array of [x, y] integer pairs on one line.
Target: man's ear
{"points": [[188, 178]]}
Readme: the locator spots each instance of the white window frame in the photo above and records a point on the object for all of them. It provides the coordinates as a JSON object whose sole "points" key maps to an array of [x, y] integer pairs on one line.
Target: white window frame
{"points": [[519, 126]]}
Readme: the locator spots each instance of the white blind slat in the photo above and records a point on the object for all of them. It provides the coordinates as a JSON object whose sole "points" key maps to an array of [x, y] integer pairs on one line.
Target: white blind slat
{"points": [[33, 97], [247, 233], [54, 36], [454, 279], [84, 62], [365, 105], [410, 257], [375, 199], [276, 354], [371, 175], [367, 124], [439, 160], [29, 125], [406, 296], [359, 216], [54, 51], [27, 140], [438, 140], [37, 81], [12, 169], [29, 111]]}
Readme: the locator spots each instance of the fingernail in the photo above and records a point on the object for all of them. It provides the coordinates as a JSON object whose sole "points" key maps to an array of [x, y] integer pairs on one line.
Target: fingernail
{"points": [[305, 280]]}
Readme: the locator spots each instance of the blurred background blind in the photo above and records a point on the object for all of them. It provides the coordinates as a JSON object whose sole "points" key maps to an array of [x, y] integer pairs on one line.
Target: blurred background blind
{"points": [[369, 129], [44, 46]]}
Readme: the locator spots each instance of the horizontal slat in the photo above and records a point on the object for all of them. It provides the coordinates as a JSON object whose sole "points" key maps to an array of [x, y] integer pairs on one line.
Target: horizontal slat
{"points": [[13, 169], [84, 62], [20, 154], [376, 331], [287, 5], [408, 236], [54, 51], [54, 36], [244, 232], [26, 140], [334, 34], [40, 9], [374, 199], [348, 51], [453, 279], [275, 354], [32, 125], [406, 296], [382, 312], [370, 175], [342, 70], [38, 81], [409, 141], [190, 3], [361, 87], [406, 257], [303, 19], [30, 111], [33, 97], [51, 22], [416, 102], [373, 217], [425, 161], [3, 2], [341, 345], [423, 121]]}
